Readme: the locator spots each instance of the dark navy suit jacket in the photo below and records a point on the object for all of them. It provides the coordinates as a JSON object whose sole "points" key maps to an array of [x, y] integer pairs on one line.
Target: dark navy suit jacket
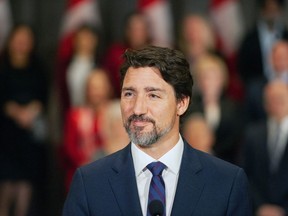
{"points": [[206, 186], [266, 187]]}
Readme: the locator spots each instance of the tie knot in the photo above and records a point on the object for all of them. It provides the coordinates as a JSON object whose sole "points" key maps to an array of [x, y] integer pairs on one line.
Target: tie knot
{"points": [[156, 168]]}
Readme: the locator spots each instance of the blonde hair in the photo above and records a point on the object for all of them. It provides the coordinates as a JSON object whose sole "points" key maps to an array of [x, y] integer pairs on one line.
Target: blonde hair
{"points": [[207, 62]]}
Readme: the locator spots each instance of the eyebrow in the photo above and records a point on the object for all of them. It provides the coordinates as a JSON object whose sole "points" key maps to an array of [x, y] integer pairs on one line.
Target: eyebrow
{"points": [[147, 89], [128, 89]]}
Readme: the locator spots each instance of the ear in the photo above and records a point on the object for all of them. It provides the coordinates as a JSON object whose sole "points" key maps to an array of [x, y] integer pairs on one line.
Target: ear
{"points": [[182, 105]]}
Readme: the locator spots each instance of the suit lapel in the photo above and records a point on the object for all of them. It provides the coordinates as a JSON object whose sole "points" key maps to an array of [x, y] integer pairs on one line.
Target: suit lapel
{"points": [[284, 158], [123, 183], [190, 184], [265, 148]]}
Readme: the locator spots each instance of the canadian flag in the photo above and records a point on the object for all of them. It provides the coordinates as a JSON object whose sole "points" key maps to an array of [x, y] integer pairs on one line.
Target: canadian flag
{"points": [[5, 21], [159, 16], [227, 20], [78, 12], [228, 25]]}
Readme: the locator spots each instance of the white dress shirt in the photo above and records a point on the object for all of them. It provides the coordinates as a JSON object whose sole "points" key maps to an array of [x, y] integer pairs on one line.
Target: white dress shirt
{"points": [[281, 130], [282, 76], [77, 74], [267, 39], [172, 160], [213, 116]]}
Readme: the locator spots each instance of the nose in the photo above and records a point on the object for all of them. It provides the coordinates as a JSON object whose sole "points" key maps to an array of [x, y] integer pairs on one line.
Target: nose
{"points": [[140, 106]]}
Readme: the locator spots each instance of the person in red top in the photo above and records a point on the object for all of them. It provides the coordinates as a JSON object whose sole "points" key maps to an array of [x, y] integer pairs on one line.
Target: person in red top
{"points": [[136, 36], [82, 136]]}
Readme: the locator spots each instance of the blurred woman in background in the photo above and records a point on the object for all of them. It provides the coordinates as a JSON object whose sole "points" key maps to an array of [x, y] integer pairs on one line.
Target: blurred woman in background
{"points": [[136, 36], [73, 70], [82, 137], [23, 94], [221, 113]]}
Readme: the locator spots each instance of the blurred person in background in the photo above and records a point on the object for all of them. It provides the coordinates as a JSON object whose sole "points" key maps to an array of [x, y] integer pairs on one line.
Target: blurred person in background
{"points": [[136, 36], [82, 137], [197, 133], [222, 114], [112, 130], [254, 63], [196, 37], [23, 95], [266, 154], [254, 53], [279, 61], [73, 71]]}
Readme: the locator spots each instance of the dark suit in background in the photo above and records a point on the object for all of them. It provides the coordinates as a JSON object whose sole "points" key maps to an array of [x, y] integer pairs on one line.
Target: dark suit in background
{"points": [[251, 68], [267, 187], [228, 133]]}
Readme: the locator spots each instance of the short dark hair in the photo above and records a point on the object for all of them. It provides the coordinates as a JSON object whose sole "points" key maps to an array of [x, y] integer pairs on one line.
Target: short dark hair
{"points": [[171, 63], [263, 3]]}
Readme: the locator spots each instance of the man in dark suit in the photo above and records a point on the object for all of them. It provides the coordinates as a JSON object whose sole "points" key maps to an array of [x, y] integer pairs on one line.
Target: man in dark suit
{"points": [[158, 173], [254, 54], [266, 154]]}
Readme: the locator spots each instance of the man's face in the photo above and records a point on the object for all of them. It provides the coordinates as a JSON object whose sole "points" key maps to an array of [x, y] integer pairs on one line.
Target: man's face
{"points": [[276, 100], [149, 106], [280, 58]]}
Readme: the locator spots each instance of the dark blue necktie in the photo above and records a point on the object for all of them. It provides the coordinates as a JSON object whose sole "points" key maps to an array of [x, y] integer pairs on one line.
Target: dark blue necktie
{"points": [[157, 185]]}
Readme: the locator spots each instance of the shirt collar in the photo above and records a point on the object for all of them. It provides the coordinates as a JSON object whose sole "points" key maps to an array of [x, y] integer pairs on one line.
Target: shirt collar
{"points": [[283, 124], [172, 159]]}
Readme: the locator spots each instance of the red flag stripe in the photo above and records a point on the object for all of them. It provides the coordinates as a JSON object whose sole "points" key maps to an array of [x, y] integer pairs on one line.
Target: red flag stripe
{"points": [[218, 3], [74, 3], [142, 4]]}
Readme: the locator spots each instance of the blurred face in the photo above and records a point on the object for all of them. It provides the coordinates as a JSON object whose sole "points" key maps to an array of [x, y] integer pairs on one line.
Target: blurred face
{"points": [[210, 81], [85, 41], [196, 34], [198, 134], [271, 11], [280, 58], [137, 32], [21, 42], [193, 30], [149, 108], [276, 100], [98, 88]]}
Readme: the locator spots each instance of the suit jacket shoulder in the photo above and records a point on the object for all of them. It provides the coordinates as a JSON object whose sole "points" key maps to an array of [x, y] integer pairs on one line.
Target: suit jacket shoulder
{"points": [[105, 187], [210, 186], [206, 186]]}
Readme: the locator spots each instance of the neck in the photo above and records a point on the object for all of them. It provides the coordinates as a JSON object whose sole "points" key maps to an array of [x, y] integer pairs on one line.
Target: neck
{"points": [[279, 119], [85, 54], [98, 107], [211, 100], [19, 61]]}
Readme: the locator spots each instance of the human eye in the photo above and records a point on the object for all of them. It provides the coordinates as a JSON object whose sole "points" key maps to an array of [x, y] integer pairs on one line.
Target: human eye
{"points": [[127, 94], [154, 96]]}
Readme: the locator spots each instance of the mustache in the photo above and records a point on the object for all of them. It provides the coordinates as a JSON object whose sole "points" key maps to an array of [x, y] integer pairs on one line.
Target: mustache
{"points": [[140, 118]]}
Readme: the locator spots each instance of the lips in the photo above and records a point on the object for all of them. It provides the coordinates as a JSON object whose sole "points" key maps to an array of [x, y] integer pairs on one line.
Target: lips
{"points": [[140, 123]]}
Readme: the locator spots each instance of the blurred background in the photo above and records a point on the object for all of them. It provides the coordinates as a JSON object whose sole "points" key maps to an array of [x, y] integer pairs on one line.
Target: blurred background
{"points": [[60, 90]]}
